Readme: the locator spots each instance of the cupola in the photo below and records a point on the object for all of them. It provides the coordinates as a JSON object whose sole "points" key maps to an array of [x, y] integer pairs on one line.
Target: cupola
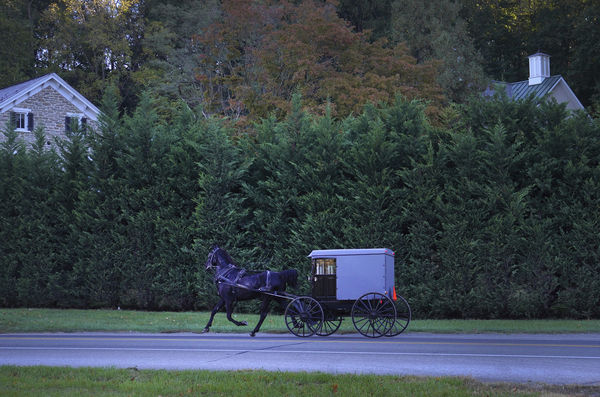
{"points": [[539, 68]]}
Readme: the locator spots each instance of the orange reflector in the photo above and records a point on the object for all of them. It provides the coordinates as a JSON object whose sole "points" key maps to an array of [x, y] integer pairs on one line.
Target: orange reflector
{"points": [[394, 297]]}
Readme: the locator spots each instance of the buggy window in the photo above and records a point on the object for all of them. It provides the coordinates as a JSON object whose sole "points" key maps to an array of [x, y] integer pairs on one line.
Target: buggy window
{"points": [[325, 266]]}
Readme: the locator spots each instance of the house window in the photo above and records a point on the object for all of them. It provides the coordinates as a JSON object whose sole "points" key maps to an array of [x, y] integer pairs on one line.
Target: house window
{"points": [[74, 122], [22, 119]]}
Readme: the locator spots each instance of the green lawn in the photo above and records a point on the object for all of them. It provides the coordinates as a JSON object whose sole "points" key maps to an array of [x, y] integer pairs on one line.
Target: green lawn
{"points": [[50, 381], [55, 320]]}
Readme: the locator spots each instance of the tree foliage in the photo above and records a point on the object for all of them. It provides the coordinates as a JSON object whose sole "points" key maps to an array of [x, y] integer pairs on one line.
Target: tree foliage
{"points": [[435, 31], [91, 41], [245, 58], [19, 43], [253, 60]]}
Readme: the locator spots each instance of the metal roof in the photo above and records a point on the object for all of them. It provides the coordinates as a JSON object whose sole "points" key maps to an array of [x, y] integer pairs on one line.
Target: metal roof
{"points": [[522, 89]]}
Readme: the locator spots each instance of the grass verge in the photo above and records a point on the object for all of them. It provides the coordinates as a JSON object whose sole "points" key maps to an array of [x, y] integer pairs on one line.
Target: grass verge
{"points": [[60, 381], [57, 320]]}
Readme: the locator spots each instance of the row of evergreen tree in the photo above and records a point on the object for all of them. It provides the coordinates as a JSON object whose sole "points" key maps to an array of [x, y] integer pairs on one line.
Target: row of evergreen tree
{"points": [[496, 216]]}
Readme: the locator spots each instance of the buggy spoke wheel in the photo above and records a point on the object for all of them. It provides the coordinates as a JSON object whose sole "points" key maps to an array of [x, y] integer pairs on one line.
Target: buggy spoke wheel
{"points": [[403, 315], [373, 314], [331, 323], [304, 316]]}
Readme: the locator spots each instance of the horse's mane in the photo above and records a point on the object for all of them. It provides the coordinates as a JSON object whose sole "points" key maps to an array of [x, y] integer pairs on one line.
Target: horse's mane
{"points": [[290, 277], [221, 253]]}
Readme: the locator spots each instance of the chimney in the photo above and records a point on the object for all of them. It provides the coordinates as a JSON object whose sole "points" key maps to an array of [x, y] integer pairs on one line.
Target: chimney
{"points": [[539, 68]]}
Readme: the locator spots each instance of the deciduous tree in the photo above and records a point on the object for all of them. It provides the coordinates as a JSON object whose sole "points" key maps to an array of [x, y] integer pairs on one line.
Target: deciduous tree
{"points": [[261, 53], [88, 41]]}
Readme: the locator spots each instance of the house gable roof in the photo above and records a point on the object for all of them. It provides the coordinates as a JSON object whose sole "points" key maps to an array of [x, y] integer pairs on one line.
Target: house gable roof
{"points": [[13, 95], [522, 90]]}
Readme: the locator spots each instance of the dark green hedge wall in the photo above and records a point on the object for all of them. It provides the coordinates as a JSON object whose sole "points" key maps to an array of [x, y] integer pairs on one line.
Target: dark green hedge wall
{"points": [[494, 216]]}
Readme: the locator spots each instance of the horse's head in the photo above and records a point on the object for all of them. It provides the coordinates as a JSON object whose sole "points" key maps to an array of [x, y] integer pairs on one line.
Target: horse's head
{"points": [[213, 259]]}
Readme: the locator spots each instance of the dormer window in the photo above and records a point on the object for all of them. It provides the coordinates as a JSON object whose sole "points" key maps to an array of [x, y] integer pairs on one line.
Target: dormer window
{"points": [[22, 119], [74, 122]]}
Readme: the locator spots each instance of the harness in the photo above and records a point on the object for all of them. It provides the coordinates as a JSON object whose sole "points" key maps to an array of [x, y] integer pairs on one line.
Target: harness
{"points": [[225, 275], [267, 287]]}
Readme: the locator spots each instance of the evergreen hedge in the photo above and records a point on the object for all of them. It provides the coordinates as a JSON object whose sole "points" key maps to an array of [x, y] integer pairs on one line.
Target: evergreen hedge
{"points": [[495, 215]]}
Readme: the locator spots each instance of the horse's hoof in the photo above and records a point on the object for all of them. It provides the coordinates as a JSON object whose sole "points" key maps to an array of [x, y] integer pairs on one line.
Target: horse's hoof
{"points": [[243, 323], [205, 330], [253, 334]]}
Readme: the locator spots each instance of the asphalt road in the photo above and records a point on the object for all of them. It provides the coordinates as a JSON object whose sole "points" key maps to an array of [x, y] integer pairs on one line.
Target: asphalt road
{"points": [[554, 359]]}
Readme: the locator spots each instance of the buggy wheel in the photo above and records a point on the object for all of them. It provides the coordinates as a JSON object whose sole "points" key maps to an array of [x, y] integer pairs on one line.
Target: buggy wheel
{"points": [[403, 315], [373, 314], [304, 316], [331, 323]]}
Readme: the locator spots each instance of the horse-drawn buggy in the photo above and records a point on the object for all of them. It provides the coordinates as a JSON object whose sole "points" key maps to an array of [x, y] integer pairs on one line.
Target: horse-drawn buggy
{"points": [[347, 282]]}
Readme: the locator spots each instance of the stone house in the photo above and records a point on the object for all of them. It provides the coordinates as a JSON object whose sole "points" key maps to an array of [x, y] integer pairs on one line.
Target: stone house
{"points": [[540, 84], [47, 102]]}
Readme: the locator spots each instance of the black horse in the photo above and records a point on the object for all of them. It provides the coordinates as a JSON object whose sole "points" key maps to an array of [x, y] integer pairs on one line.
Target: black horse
{"points": [[234, 284]]}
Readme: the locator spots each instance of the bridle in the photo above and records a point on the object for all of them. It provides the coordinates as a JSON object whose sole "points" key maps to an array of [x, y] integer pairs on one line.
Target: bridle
{"points": [[222, 271], [211, 258]]}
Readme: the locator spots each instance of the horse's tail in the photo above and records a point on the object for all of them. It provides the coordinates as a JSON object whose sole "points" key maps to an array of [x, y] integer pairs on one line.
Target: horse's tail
{"points": [[290, 277]]}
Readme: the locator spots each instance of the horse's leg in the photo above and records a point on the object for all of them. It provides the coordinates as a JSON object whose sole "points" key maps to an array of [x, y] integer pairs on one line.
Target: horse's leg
{"points": [[217, 307], [229, 308], [264, 310]]}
